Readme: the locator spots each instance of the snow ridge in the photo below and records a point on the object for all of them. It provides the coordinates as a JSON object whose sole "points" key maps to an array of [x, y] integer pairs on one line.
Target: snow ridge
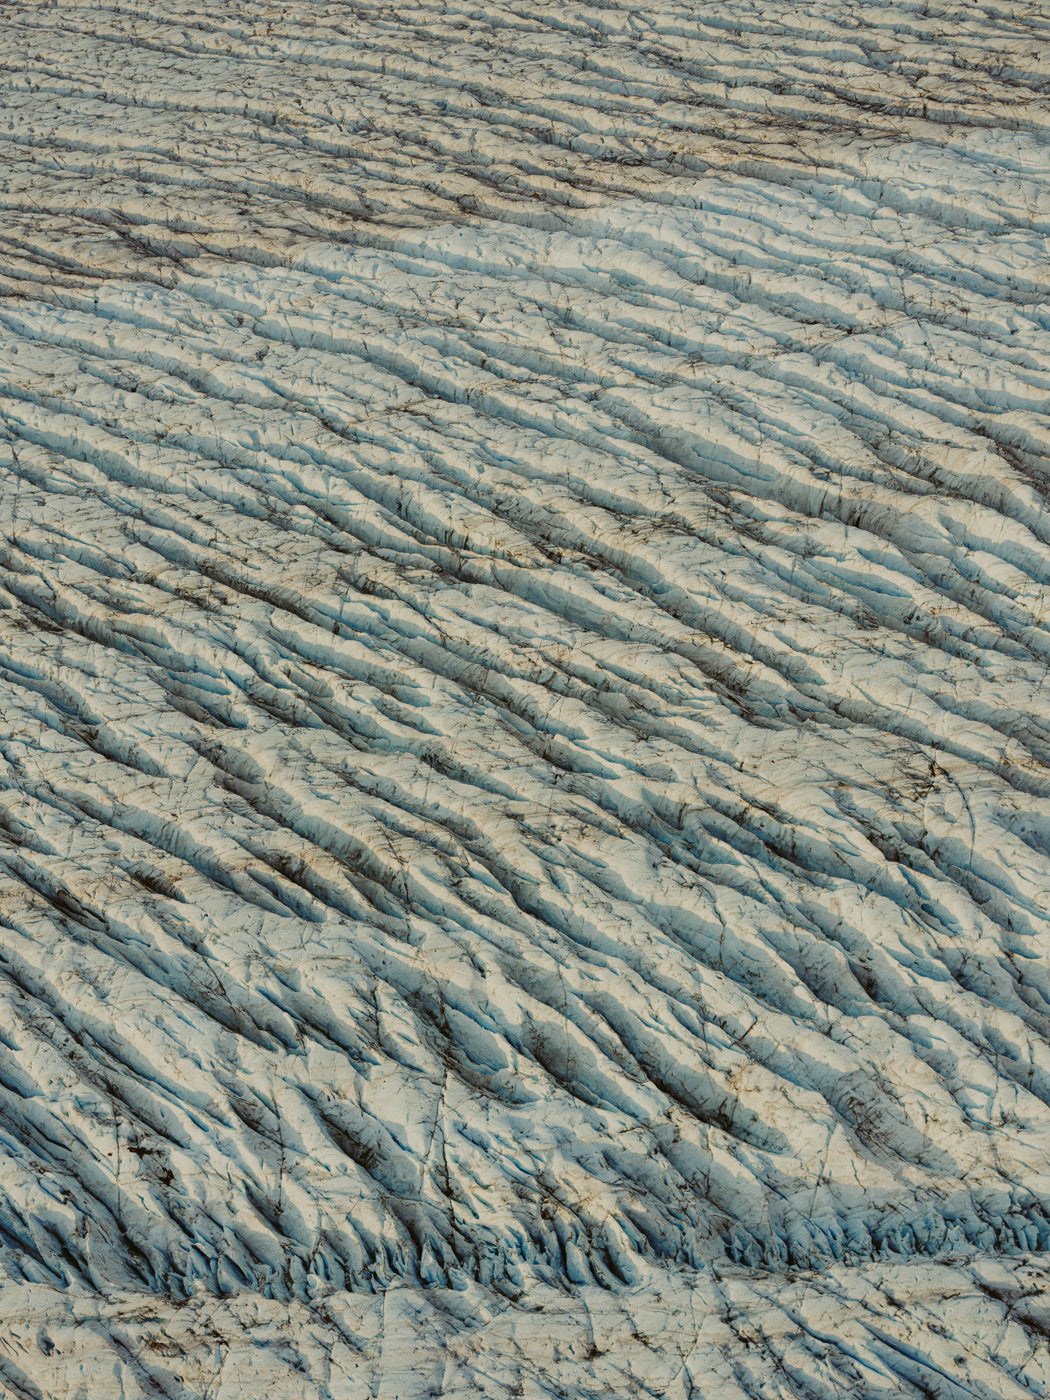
{"points": [[523, 643]]}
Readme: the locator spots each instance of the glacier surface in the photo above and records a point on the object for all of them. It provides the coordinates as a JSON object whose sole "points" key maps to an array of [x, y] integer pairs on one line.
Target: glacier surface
{"points": [[524, 720]]}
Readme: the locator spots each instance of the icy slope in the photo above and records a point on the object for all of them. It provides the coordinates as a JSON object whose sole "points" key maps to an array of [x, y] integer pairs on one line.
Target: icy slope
{"points": [[523, 644]]}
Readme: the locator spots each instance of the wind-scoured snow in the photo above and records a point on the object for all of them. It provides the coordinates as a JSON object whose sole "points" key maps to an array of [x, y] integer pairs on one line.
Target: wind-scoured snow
{"points": [[524, 638]]}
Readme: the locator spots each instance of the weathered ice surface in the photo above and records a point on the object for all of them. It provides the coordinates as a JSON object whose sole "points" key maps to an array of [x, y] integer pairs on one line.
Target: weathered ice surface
{"points": [[884, 1331], [524, 699]]}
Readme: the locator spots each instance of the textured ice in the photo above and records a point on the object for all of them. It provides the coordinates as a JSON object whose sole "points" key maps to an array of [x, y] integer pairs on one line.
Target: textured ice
{"points": [[524, 720]]}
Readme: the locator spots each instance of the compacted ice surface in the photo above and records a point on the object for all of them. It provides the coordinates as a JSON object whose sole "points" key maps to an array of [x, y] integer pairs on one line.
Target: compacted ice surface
{"points": [[524, 699]]}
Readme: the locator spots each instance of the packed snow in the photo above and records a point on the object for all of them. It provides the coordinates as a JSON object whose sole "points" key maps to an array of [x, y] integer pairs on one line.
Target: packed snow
{"points": [[524, 700]]}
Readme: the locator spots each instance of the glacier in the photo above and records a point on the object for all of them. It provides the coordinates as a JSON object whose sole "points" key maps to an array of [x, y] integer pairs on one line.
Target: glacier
{"points": [[524, 710]]}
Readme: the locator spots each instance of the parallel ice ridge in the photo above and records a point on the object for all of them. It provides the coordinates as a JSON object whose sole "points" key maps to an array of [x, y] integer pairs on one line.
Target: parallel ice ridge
{"points": [[524, 641], [904, 1330]]}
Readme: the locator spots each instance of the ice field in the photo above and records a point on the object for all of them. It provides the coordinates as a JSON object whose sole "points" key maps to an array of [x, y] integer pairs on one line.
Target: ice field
{"points": [[524, 700]]}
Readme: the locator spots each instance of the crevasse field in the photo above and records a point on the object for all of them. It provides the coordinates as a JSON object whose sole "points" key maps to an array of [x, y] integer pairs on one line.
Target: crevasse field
{"points": [[524, 700]]}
